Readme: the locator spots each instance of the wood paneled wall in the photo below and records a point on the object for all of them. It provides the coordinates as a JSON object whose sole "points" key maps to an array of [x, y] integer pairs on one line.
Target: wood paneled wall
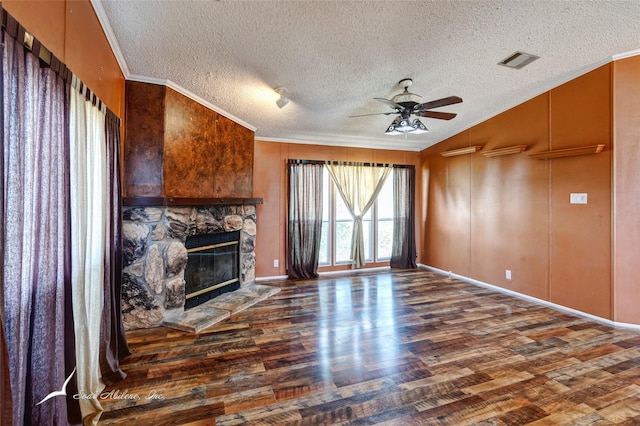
{"points": [[144, 144], [176, 147], [72, 31], [510, 201], [626, 196], [488, 215], [580, 235]]}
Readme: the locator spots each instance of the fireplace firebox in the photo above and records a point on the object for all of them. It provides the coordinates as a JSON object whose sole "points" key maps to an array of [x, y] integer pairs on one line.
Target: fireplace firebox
{"points": [[213, 265]]}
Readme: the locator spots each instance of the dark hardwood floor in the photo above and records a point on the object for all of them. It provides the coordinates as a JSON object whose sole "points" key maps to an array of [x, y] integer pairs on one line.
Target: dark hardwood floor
{"points": [[393, 348]]}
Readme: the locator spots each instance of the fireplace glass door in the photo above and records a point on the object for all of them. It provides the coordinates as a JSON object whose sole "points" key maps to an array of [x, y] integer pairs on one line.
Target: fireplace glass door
{"points": [[212, 266]]}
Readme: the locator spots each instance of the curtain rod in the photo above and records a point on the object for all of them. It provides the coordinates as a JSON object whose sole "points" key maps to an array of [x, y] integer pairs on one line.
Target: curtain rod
{"points": [[351, 163], [14, 29]]}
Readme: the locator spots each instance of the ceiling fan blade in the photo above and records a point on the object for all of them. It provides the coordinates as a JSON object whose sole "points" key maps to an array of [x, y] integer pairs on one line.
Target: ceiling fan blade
{"points": [[388, 102], [438, 103], [375, 113], [436, 114]]}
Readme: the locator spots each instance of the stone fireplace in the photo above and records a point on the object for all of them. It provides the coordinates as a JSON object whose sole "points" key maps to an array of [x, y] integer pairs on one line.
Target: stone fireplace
{"points": [[187, 172], [155, 255]]}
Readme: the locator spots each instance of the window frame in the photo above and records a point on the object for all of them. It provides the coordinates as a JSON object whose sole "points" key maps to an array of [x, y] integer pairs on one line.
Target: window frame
{"points": [[373, 249]]}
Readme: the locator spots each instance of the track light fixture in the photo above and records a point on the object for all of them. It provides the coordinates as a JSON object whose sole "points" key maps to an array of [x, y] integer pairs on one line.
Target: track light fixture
{"points": [[283, 99]]}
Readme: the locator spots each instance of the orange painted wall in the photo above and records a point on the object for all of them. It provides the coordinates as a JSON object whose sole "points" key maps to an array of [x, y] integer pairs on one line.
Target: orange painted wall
{"points": [[509, 201], [71, 30], [626, 197], [580, 235], [446, 187], [270, 183], [487, 215]]}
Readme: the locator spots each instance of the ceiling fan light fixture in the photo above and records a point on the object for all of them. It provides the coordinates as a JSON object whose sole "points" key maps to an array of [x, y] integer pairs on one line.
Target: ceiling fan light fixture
{"points": [[407, 104], [418, 127], [283, 99], [392, 129], [404, 125], [401, 126]]}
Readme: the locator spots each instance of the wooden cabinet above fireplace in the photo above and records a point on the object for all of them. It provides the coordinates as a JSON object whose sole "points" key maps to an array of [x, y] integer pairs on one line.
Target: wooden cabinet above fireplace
{"points": [[177, 148]]}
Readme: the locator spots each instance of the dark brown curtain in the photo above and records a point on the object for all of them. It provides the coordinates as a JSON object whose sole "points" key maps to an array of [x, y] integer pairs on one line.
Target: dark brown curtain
{"points": [[403, 251], [6, 406], [113, 343], [35, 239], [304, 219]]}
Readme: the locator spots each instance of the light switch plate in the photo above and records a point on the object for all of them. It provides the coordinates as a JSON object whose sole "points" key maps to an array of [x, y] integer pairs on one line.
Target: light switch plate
{"points": [[578, 198]]}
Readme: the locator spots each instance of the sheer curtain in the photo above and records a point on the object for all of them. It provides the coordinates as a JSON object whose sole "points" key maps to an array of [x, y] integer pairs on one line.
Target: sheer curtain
{"points": [[35, 244], [403, 249], [304, 219], [88, 238], [358, 185]]}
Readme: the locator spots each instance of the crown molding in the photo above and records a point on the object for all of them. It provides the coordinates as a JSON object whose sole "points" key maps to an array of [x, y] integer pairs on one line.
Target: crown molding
{"points": [[111, 38], [115, 47], [344, 142], [192, 96], [626, 55]]}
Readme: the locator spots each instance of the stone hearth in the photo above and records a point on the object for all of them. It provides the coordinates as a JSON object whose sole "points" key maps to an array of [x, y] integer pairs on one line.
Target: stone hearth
{"points": [[154, 259]]}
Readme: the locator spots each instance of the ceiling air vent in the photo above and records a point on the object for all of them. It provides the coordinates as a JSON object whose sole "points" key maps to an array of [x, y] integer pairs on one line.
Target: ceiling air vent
{"points": [[518, 60]]}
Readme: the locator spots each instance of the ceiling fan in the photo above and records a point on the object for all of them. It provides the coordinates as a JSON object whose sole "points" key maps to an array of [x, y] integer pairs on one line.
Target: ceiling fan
{"points": [[407, 104]]}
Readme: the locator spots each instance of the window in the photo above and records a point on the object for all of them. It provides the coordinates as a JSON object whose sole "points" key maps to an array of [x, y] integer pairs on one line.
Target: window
{"points": [[325, 242], [337, 226], [384, 220]]}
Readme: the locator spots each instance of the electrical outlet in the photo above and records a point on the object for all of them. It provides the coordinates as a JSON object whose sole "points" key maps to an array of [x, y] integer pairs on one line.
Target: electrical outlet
{"points": [[507, 274], [275, 263]]}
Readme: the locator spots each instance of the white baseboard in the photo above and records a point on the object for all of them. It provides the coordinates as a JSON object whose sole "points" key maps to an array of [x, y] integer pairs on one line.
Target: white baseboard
{"points": [[274, 278], [356, 271], [322, 274], [532, 299]]}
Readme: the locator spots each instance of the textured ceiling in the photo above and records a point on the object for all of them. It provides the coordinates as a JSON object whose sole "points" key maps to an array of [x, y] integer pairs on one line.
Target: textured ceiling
{"points": [[335, 56]]}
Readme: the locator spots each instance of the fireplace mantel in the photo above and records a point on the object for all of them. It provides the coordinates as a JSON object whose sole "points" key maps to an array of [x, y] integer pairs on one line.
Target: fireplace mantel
{"points": [[184, 201]]}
